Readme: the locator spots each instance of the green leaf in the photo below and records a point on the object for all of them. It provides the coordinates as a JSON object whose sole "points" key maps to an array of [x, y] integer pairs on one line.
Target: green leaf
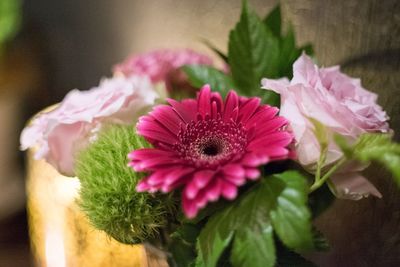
{"points": [[253, 52], [273, 21], [254, 248], [374, 147], [320, 242], [308, 49], [10, 19], [200, 75], [215, 237], [279, 201], [291, 217], [288, 53], [182, 245]]}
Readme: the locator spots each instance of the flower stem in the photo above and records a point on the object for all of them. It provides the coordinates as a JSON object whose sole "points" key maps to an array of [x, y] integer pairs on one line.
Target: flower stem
{"points": [[319, 182]]}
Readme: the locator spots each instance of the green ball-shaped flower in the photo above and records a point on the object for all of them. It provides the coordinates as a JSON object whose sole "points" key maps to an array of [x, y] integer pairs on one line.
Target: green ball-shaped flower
{"points": [[108, 195]]}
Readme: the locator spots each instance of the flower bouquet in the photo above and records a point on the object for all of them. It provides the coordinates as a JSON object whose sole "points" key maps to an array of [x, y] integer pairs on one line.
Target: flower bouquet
{"points": [[219, 166]]}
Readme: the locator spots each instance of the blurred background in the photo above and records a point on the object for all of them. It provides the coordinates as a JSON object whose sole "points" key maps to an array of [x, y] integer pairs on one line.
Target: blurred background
{"points": [[49, 47]]}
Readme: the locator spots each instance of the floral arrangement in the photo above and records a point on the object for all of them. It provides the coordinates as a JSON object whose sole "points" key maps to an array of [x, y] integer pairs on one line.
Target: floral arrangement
{"points": [[232, 167]]}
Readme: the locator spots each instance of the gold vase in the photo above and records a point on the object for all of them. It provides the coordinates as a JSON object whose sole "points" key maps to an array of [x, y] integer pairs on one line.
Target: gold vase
{"points": [[61, 235]]}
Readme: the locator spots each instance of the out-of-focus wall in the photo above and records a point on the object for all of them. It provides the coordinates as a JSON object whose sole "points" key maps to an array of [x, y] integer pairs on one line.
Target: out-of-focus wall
{"points": [[86, 38]]}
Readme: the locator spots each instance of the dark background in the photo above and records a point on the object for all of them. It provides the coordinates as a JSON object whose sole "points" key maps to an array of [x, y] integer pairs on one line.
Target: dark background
{"points": [[70, 44]]}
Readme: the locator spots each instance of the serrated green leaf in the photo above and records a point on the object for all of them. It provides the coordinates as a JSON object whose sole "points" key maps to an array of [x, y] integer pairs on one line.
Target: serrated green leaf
{"points": [[273, 21], [253, 52], [374, 147], [200, 75], [288, 53], [278, 199], [308, 49], [215, 237], [320, 242], [254, 248], [291, 217], [182, 245]]}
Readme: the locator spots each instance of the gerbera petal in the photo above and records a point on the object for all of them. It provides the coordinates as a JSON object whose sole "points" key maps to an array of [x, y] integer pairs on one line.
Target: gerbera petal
{"points": [[186, 109], [229, 190], [248, 109], [213, 190], [189, 207], [191, 190], [231, 103], [252, 173], [273, 125], [264, 114], [236, 180], [204, 101], [202, 178], [145, 153], [167, 117], [278, 139], [234, 170]]}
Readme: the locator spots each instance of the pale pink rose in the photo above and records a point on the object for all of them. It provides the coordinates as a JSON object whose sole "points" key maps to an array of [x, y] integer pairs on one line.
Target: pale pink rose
{"points": [[341, 104], [60, 134], [163, 66]]}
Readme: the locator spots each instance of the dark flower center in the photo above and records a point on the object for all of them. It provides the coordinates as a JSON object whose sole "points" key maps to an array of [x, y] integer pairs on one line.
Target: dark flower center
{"points": [[211, 149], [212, 142]]}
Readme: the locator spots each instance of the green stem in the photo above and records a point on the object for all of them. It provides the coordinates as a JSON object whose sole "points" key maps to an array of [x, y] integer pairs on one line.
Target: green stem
{"points": [[318, 183], [320, 163]]}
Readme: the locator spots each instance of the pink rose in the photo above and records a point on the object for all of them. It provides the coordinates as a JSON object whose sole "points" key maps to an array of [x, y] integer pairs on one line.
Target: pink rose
{"points": [[59, 134], [163, 66], [341, 104]]}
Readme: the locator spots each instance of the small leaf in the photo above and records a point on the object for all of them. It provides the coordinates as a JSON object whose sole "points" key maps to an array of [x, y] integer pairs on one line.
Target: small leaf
{"points": [[200, 75], [291, 217], [374, 147], [253, 52], [273, 21], [320, 242]]}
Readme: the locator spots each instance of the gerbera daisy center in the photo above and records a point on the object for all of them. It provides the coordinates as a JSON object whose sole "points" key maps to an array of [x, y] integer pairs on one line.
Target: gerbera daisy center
{"points": [[211, 142], [212, 148]]}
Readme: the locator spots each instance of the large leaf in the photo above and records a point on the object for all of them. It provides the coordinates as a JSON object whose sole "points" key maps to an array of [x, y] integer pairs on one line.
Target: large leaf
{"points": [[374, 147], [291, 217], [200, 75], [215, 237], [254, 247], [253, 52], [274, 21], [182, 245], [278, 202]]}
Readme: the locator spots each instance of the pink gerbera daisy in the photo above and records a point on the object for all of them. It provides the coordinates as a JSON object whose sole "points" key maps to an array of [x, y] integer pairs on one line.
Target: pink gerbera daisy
{"points": [[208, 146]]}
